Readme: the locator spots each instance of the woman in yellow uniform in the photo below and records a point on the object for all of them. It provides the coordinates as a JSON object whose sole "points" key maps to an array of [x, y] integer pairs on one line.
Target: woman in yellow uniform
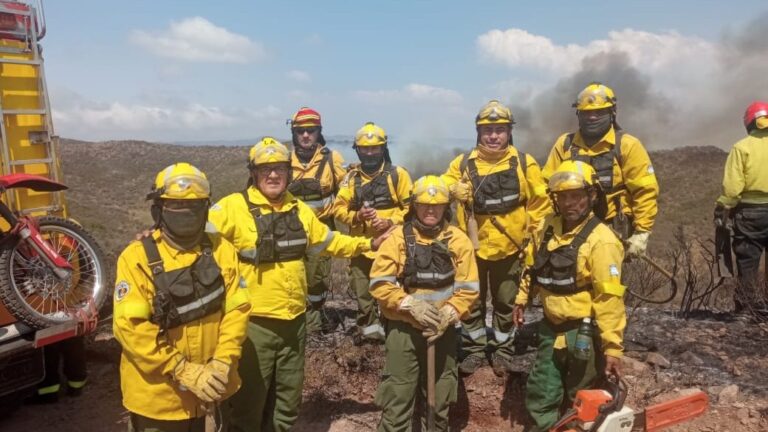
{"points": [[425, 279]]}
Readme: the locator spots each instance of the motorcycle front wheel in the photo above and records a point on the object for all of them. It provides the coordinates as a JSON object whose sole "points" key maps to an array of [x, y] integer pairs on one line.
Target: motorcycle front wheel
{"points": [[34, 294]]}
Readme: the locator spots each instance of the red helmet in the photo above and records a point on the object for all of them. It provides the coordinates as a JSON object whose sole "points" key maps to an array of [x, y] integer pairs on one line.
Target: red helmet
{"points": [[754, 111], [305, 117]]}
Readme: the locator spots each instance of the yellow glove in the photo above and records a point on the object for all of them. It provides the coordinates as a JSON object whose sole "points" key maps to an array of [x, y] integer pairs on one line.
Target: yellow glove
{"points": [[448, 317], [219, 372], [638, 243], [424, 313], [195, 378], [461, 190]]}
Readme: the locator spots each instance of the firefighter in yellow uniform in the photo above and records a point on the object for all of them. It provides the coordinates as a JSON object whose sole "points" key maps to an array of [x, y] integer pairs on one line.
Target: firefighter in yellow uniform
{"points": [[501, 190], [425, 279], [622, 164], [316, 173], [272, 232], [745, 201], [372, 198], [577, 275], [179, 312]]}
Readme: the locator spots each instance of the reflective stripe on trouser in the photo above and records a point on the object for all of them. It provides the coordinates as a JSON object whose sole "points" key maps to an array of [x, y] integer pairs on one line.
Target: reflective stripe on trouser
{"points": [[139, 423], [750, 240], [367, 316], [318, 269], [405, 376], [71, 352], [500, 279], [272, 371], [556, 374]]}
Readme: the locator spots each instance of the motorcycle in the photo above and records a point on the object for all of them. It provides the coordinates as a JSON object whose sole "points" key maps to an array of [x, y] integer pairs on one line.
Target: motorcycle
{"points": [[51, 270]]}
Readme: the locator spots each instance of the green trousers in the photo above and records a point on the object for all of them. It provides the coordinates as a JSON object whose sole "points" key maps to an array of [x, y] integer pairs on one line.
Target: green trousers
{"points": [[500, 279], [138, 423], [405, 376], [272, 371], [318, 270], [367, 316], [556, 376]]}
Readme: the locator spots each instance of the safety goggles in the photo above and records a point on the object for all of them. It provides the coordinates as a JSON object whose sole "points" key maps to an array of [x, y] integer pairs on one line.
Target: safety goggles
{"points": [[186, 187], [302, 130]]}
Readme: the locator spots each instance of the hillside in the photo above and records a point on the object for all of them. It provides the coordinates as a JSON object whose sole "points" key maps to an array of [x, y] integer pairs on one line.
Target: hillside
{"points": [[109, 181]]}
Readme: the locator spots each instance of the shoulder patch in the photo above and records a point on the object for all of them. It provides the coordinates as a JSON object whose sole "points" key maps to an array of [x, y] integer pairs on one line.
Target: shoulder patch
{"points": [[613, 270], [650, 169], [216, 207], [121, 290]]}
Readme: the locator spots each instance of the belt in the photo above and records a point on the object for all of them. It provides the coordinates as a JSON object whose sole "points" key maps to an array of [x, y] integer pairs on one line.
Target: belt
{"points": [[563, 327]]}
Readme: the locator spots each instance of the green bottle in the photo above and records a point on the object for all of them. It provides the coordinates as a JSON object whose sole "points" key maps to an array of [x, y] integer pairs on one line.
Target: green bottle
{"points": [[583, 345]]}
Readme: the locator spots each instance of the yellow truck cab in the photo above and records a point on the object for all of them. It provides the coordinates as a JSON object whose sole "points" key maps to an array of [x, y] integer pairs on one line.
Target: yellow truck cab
{"points": [[30, 316]]}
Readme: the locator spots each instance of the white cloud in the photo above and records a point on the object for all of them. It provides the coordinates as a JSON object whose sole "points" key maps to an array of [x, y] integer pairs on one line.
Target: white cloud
{"points": [[196, 39], [411, 93], [299, 75], [649, 51], [168, 119]]}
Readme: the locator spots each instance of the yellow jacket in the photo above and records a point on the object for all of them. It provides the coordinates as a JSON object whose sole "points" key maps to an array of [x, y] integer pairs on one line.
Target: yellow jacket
{"points": [[598, 264], [332, 174], [746, 177], [636, 173], [390, 262], [346, 195], [147, 361], [520, 222], [279, 289]]}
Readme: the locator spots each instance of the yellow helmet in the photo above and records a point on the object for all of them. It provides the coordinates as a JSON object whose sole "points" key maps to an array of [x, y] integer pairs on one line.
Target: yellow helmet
{"points": [[370, 135], [572, 175], [494, 112], [430, 189], [268, 150], [180, 181], [595, 96]]}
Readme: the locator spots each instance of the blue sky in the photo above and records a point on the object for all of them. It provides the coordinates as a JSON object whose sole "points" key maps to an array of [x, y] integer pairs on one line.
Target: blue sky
{"points": [[192, 70]]}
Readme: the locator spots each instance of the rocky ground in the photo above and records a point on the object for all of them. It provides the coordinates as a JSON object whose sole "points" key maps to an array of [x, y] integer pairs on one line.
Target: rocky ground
{"points": [[667, 356]]}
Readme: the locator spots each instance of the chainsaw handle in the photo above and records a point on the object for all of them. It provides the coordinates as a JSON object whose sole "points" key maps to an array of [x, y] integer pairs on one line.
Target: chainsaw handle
{"points": [[618, 389]]}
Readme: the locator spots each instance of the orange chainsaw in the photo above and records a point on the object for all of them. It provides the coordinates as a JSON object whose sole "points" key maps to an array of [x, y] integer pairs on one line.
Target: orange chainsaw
{"points": [[599, 410]]}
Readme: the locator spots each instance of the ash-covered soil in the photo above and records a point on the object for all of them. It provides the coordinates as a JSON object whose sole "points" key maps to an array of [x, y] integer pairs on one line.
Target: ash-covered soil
{"points": [[666, 356]]}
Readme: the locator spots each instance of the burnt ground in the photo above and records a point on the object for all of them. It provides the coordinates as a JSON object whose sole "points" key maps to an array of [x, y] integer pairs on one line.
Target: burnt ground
{"points": [[726, 358]]}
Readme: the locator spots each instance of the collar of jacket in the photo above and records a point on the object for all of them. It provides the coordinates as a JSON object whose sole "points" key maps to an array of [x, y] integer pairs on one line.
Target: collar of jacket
{"points": [[362, 173], [561, 239], [256, 197], [296, 162], [607, 141], [172, 251], [511, 151]]}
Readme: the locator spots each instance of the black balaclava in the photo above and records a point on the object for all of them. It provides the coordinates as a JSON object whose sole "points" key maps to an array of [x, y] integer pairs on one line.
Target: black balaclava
{"points": [[594, 129], [183, 227], [372, 163]]}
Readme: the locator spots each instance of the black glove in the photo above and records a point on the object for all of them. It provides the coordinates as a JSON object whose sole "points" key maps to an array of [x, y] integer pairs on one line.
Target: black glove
{"points": [[721, 215]]}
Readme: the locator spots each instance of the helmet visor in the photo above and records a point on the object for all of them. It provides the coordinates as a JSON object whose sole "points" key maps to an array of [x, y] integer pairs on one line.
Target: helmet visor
{"points": [[563, 181], [186, 187]]}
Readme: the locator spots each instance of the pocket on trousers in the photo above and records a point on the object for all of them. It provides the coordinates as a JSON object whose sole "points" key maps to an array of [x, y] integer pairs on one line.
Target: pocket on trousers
{"points": [[384, 391]]}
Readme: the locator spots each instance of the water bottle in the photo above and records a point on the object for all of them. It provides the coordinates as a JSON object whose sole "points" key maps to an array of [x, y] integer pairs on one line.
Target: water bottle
{"points": [[583, 345]]}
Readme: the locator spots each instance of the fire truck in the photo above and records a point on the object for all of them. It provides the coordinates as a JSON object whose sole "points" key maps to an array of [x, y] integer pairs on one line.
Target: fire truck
{"points": [[42, 300]]}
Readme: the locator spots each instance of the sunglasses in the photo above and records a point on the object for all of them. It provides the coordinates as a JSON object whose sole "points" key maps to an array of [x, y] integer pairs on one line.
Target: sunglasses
{"points": [[265, 171], [302, 131]]}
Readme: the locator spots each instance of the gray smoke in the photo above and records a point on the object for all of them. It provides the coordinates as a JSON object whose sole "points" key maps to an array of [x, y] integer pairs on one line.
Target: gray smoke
{"points": [[705, 114]]}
